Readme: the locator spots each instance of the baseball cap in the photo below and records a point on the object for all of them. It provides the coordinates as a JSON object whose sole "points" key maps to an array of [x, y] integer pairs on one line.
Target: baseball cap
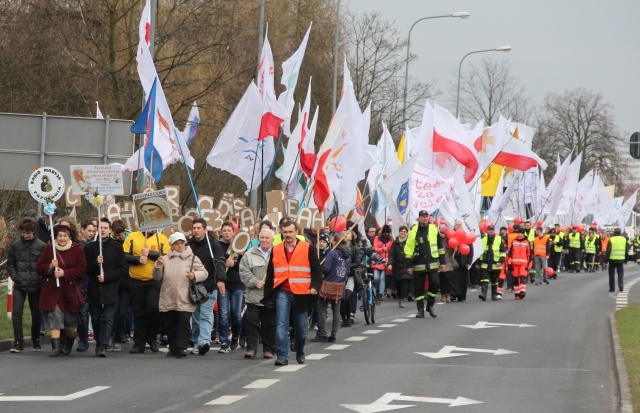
{"points": [[491, 227], [423, 213]]}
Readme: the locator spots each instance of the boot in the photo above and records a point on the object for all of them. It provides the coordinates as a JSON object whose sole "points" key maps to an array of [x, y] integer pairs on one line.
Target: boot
{"points": [[483, 291], [494, 293], [67, 346], [430, 303], [420, 305], [55, 347]]}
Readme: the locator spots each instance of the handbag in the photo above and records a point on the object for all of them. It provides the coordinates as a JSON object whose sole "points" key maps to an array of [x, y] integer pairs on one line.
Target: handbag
{"points": [[331, 291], [358, 282], [79, 299], [454, 262], [198, 294]]}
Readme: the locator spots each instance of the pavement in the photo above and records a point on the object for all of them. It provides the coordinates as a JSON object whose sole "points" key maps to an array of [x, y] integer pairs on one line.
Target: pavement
{"points": [[555, 351]]}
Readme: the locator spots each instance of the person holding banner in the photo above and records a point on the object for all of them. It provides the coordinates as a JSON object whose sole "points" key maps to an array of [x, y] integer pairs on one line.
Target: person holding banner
{"points": [[141, 250], [106, 264], [424, 247], [61, 271]]}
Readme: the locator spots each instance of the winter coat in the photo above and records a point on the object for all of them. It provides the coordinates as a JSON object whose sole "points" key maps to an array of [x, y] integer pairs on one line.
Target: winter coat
{"points": [[398, 261], [253, 268], [114, 267], [214, 265], [174, 292], [232, 280], [21, 263], [337, 265], [383, 248], [74, 264]]}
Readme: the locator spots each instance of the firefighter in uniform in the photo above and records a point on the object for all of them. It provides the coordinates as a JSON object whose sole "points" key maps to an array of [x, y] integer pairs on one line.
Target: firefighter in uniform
{"points": [[592, 249], [492, 260], [576, 247], [520, 256], [616, 257], [425, 250]]}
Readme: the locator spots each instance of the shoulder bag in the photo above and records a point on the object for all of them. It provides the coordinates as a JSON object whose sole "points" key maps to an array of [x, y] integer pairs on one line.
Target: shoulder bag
{"points": [[197, 292]]}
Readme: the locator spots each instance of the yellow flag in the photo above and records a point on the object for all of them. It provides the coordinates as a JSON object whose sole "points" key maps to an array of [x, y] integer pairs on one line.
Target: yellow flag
{"points": [[491, 179], [400, 150]]}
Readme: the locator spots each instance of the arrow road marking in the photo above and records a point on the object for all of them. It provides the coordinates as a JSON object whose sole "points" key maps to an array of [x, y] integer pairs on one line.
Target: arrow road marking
{"points": [[70, 397], [382, 404], [446, 352], [486, 324]]}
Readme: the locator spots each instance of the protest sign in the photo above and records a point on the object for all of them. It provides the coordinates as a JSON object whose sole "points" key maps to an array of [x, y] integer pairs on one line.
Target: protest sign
{"points": [[152, 210], [101, 179]]}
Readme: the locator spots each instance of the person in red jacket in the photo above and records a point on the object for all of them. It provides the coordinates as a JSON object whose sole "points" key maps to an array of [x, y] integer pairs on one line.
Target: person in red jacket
{"points": [[520, 255], [60, 277], [382, 245]]}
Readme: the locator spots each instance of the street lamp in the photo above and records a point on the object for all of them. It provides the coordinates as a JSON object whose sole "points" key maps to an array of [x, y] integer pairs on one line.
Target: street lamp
{"points": [[461, 15], [497, 49]]}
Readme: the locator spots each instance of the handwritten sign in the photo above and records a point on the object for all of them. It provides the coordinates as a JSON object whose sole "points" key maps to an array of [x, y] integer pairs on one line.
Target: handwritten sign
{"points": [[310, 218], [427, 190], [72, 201]]}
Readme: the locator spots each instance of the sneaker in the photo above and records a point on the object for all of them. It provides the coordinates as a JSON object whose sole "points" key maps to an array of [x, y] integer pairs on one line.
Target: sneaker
{"points": [[17, 348], [319, 339], [116, 347], [81, 346], [102, 352], [331, 339], [37, 346], [234, 343], [127, 339], [203, 349], [224, 349]]}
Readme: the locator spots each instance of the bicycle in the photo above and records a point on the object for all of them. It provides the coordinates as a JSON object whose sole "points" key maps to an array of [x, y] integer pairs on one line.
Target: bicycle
{"points": [[369, 301]]}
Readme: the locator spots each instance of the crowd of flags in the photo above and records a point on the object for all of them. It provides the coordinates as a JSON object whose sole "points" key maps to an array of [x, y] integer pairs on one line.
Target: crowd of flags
{"points": [[442, 165]]}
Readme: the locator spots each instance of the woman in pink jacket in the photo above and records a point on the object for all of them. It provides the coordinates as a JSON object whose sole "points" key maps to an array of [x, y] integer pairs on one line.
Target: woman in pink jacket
{"points": [[382, 245]]}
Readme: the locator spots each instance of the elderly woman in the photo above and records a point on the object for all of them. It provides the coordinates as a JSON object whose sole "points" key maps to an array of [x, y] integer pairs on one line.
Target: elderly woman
{"points": [[60, 280], [176, 270]]}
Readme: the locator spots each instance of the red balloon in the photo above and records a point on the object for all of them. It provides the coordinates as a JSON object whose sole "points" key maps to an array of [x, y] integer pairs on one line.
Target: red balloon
{"points": [[464, 249], [517, 220], [539, 223], [549, 271], [470, 238], [338, 224], [450, 234], [510, 228], [453, 242], [484, 224], [460, 234]]}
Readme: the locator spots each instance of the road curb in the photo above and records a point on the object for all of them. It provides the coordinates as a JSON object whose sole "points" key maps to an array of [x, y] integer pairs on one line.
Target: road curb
{"points": [[621, 369], [5, 345]]}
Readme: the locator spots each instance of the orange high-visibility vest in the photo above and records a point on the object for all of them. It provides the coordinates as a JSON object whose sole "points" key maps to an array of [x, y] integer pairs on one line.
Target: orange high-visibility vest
{"points": [[520, 250], [297, 270], [540, 246], [604, 242], [510, 238]]}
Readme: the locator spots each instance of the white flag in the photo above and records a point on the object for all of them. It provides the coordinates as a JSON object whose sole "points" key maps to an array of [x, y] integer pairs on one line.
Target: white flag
{"points": [[237, 149], [98, 111]]}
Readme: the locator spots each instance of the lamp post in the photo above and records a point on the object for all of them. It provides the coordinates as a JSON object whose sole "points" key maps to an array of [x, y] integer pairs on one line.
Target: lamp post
{"points": [[497, 49], [461, 15], [335, 61]]}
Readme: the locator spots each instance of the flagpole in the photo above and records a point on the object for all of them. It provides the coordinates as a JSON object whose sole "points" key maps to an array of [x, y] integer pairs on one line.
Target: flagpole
{"points": [[273, 162], [264, 187], [251, 191], [196, 181]]}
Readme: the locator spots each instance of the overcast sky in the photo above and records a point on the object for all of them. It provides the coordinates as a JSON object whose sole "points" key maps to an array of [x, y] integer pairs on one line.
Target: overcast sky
{"points": [[556, 44]]}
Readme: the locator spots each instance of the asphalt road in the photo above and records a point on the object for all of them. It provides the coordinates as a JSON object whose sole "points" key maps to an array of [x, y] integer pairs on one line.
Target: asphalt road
{"points": [[553, 354]]}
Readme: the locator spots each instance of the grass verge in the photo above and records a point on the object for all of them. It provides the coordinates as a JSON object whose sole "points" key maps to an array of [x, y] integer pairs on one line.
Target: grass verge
{"points": [[628, 319], [6, 327]]}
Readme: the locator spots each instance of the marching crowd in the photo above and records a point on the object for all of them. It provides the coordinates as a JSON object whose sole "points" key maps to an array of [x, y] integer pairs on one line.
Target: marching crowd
{"points": [[141, 285]]}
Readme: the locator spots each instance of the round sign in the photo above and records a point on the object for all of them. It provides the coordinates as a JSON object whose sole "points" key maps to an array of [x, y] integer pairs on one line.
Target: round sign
{"points": [[46, 184]]}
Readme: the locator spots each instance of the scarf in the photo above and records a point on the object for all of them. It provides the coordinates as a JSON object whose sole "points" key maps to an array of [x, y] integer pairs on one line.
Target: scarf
{"points": [[65, 248]]}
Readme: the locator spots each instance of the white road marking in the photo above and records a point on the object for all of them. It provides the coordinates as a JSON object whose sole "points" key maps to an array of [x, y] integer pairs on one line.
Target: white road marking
{"points": [[622, 298], [69, 397], [290, 369], [387, 325], [400, 320], [372, 331], [316, 356], [337, 347], [224, 400], [262, 383], [355, 338], [446, 352]]}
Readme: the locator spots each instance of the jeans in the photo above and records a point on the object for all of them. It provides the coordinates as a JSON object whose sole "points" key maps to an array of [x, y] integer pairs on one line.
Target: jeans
{"points": [[230, 312], [83, 324], [102, 317], [120, 319], [202, 321], [19, 297], [379, 278], [323, 306], [284, 303], [540, 264]]}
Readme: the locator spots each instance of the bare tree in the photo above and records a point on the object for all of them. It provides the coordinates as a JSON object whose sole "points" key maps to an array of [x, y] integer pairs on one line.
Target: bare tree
{"points": [[580, 120], [376, 56], [489, 89]]}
